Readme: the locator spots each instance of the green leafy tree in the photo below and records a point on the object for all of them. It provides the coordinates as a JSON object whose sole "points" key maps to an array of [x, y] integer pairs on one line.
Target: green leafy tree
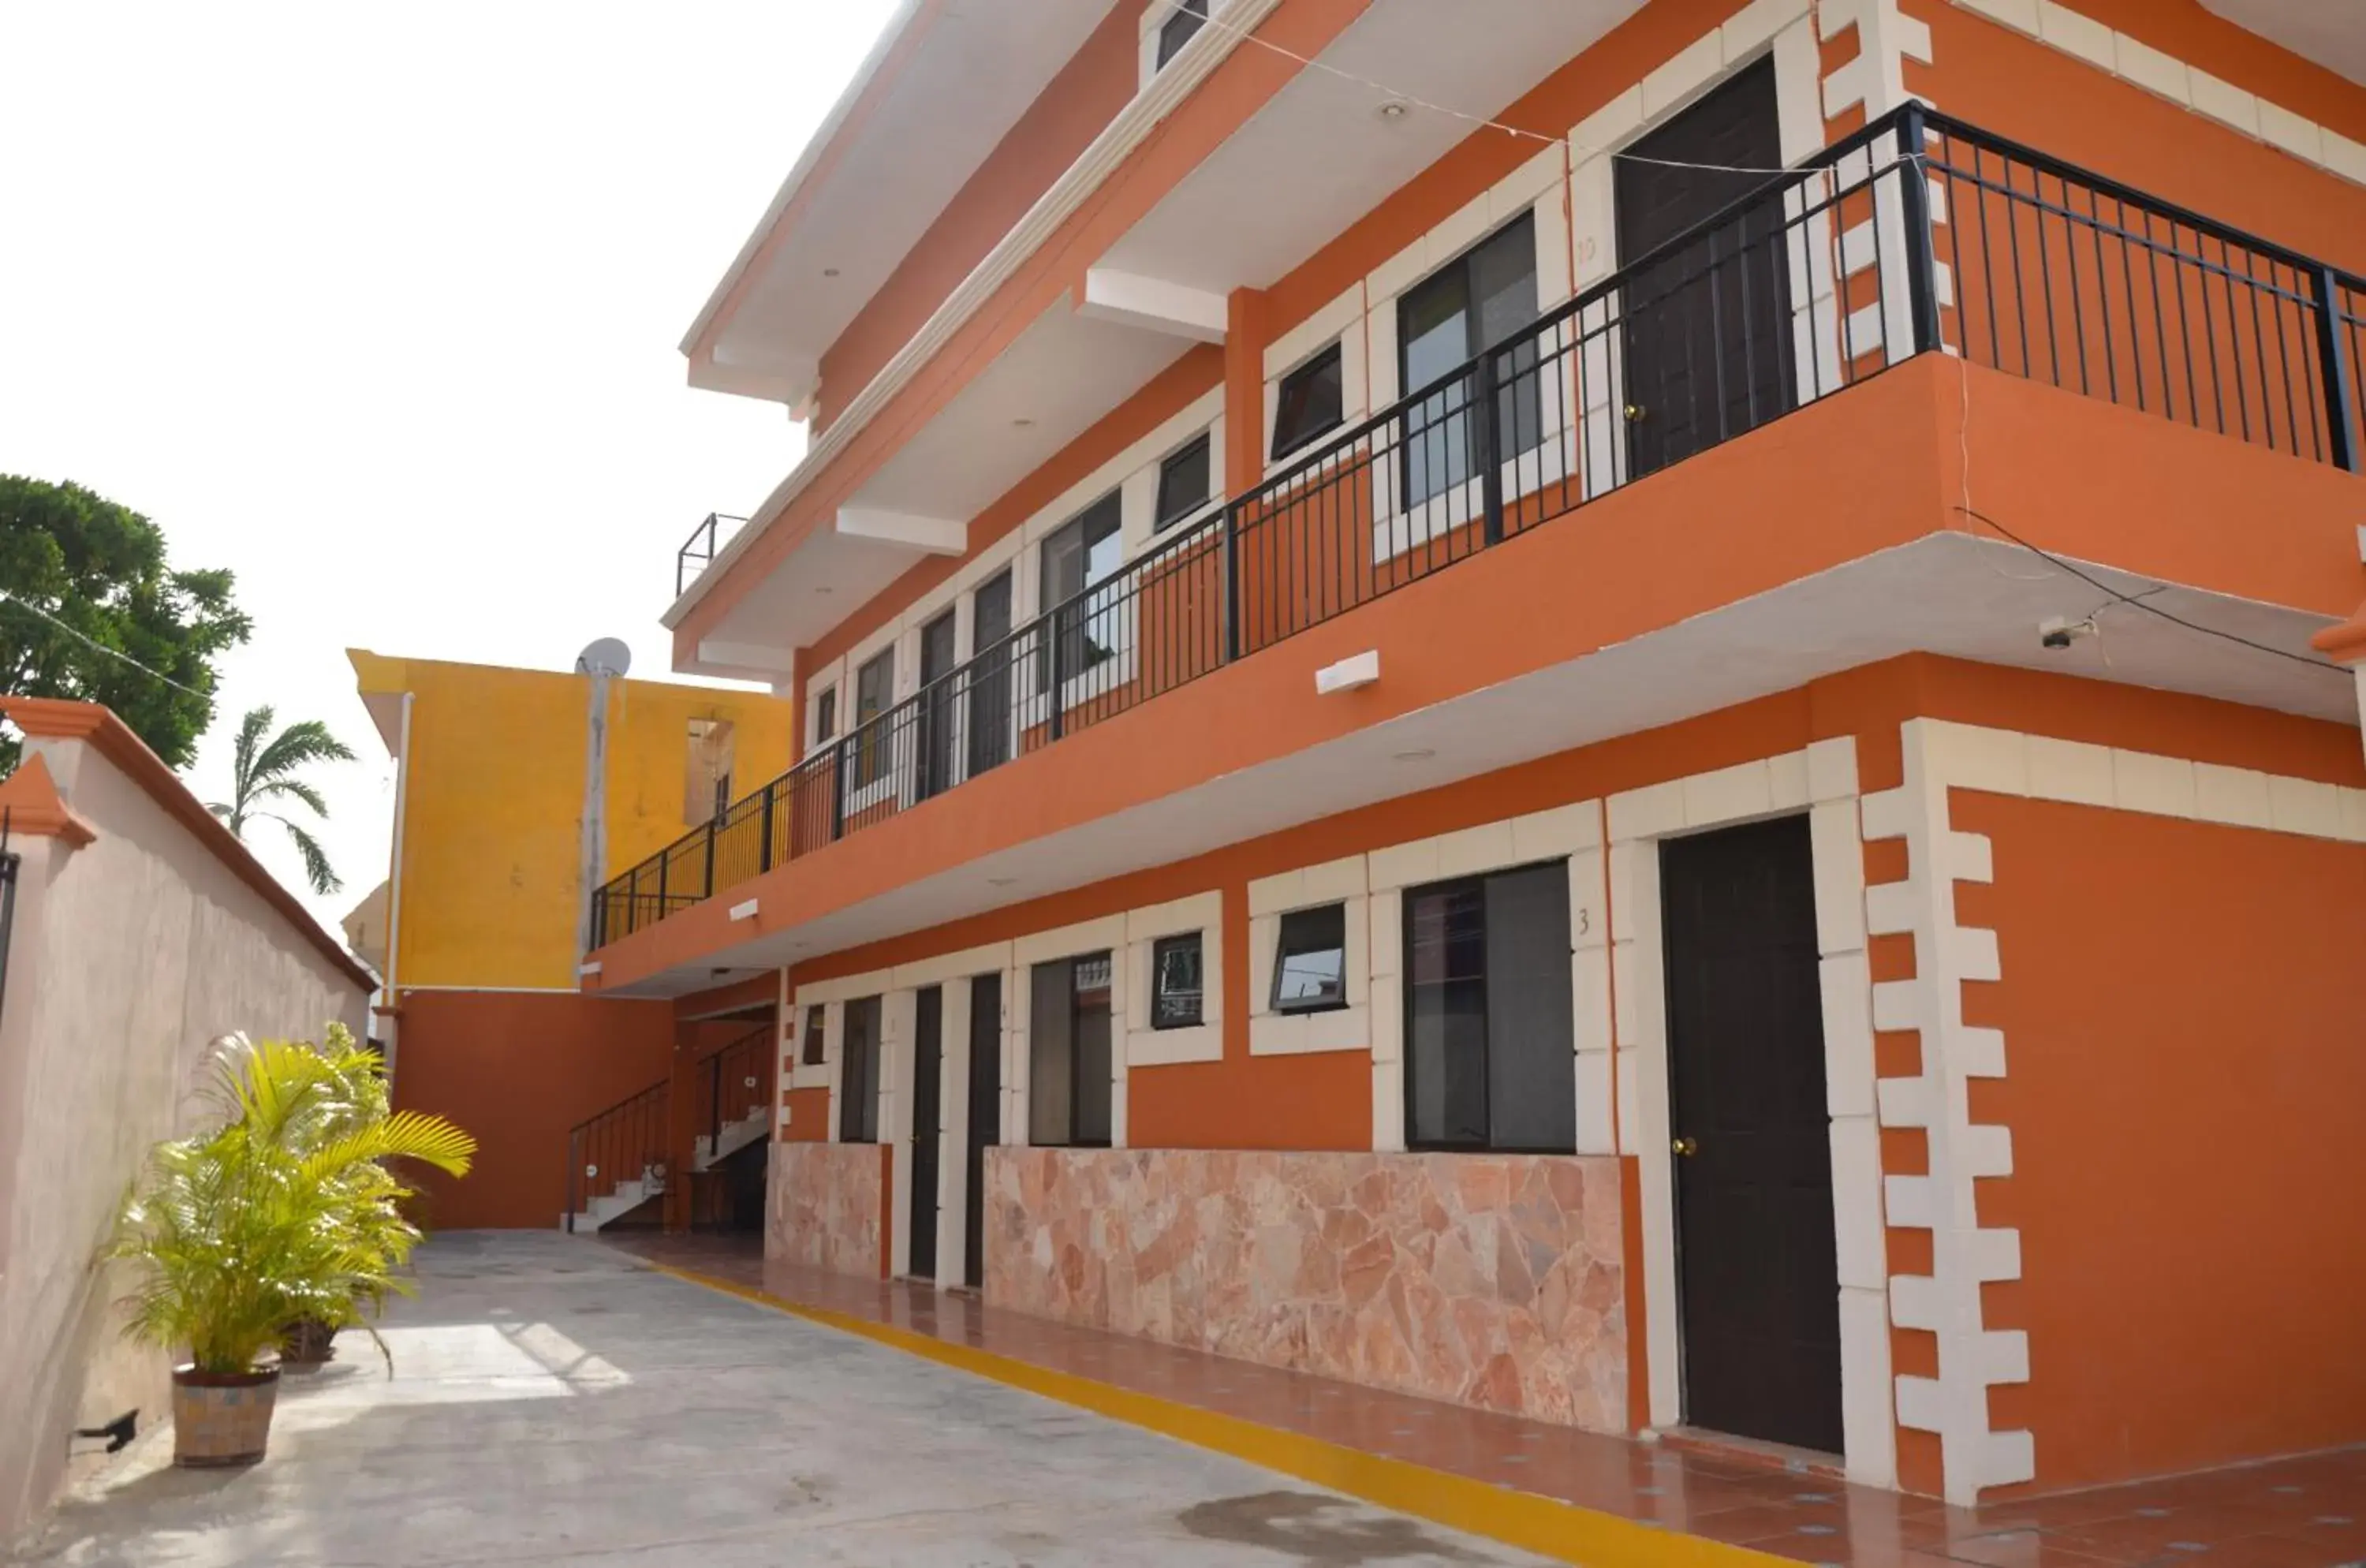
{"points": [[263, 772], [89, 610]]}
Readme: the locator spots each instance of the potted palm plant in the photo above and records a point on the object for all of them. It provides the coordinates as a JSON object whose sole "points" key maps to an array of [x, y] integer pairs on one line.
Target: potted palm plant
{"points": [[285, 1210]]}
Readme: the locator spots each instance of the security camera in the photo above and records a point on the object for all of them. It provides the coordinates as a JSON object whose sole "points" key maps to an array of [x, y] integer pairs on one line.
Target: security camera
{"points": [[2058, 632]]}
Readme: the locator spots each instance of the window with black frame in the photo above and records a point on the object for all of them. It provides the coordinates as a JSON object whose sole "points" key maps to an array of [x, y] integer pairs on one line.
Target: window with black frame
{"points": [[1187, 17], [1183, 484], [1489, 1037], [814, 1052], [1310, 960], [1475, 301], [1069, 1034], [1085, 551], [858, 1073], [874, 688], [1311, 401], [825, 715], [1176, 987]]}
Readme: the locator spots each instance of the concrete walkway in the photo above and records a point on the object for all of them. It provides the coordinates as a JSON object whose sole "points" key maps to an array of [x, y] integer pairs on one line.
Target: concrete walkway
{"points": [[553, 1402]]}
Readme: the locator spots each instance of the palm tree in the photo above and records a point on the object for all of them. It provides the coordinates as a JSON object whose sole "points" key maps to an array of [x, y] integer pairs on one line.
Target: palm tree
{"points": [[285, 1210], [264, 767]]}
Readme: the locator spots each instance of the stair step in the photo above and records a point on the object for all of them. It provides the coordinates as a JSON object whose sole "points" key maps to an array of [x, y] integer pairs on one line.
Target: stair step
{"points": [[733, 1137]]}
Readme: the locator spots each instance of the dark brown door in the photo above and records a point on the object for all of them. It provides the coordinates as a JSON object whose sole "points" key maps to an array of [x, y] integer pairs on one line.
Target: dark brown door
{"points": [[1707, 327], [985, 1113], [928, 1133], [937, 706], [1757, 1282], [989, 680]]}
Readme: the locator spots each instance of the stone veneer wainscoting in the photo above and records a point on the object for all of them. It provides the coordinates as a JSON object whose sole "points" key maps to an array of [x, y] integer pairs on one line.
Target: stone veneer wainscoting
{"points": [[825, 1205], [1490, 1279]]}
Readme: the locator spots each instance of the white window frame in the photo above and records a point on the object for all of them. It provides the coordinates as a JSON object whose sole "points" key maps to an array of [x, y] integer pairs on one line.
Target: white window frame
{"points": [[1201, 915], [1537, 188], [1018, 1001], [1348, 1028]]}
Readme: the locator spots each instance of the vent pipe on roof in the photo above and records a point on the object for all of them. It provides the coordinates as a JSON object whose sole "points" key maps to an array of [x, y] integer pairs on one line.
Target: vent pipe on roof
{"points": [[604, 660]]}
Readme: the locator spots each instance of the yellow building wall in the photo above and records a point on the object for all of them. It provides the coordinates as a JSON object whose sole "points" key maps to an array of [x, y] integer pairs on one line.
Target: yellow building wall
{"points": [[490, 886]]}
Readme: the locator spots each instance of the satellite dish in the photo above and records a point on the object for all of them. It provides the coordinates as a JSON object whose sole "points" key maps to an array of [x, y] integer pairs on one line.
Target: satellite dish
{"points": [[604, 655]]}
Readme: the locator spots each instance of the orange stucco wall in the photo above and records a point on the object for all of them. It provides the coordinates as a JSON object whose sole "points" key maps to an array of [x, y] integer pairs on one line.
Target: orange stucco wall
{"points": [[2008, 83], [518, 1069], [1244, 82], [1166, 393], [2124, 1089], [2188, 31], [1623, 57], [808, 1111], [1881, 464], [1325, 1101], [1620, 59], [2182, 1005], [2023, 88]]}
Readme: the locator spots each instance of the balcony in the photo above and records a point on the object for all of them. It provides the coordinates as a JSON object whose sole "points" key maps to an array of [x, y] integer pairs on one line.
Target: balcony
{"points": [[1816, 283], [698, 551]]}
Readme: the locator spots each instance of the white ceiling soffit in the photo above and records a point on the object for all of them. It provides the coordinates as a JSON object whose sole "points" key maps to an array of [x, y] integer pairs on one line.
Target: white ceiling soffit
{"points": [[1062, 374], [831, 573], [1199, 58], [1980, 599], [1319, 155], [2332, 33], [971, 76]]}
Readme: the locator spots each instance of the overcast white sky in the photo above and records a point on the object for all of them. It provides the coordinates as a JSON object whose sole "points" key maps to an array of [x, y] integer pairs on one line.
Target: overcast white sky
{"points": [[377, 305]]}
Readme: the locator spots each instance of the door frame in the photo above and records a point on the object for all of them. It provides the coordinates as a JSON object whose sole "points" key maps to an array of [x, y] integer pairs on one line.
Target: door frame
{"points": [[900, 1010], [1600, 430], [1715, 1050], [918, 1200], [1821, 782]]}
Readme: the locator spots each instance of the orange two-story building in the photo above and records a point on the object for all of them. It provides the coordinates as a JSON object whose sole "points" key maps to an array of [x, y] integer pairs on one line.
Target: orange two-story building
{"points": [[1628, 709]]}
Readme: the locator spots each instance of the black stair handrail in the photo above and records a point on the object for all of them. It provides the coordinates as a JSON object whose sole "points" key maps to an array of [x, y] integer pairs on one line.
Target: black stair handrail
{"points": [[600, 1146], [749, 1057]]}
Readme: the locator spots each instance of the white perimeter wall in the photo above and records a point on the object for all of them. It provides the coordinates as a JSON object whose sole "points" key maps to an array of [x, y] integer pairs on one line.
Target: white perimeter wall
{"points": [[129, 956]]}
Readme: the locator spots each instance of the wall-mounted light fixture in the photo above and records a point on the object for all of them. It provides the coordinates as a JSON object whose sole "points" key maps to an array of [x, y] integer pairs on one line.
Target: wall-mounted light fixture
{"points": [[1348, 674]]}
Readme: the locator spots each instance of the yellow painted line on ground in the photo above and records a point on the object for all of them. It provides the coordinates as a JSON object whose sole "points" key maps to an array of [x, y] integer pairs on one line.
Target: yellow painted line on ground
{"points": [[1543, 1524]]}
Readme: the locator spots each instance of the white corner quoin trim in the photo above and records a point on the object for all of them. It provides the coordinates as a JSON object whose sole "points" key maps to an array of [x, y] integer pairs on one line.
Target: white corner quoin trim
{"points": [[1820, 782]]}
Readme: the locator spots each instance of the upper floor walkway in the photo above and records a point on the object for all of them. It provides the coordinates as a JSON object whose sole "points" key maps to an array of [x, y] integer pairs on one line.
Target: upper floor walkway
{"points": [[1749, 457], [1032, 234]]}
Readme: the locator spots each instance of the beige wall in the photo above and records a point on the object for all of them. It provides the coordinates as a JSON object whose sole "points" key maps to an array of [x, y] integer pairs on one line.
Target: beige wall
{"points": [[129, 955]]}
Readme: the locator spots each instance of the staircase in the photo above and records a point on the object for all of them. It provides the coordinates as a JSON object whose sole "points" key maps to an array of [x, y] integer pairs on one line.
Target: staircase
{"points": [[729, 1138], [617, 1160], [620, 1160], [738, 1096]]}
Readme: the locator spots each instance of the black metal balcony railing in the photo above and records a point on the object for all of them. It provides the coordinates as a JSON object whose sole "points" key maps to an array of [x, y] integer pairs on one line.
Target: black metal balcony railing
{"points": [[1916, 234], [698, 551]]}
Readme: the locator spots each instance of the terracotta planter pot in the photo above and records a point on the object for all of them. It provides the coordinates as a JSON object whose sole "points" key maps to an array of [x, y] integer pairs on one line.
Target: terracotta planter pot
{"points": [[221, 1418]]}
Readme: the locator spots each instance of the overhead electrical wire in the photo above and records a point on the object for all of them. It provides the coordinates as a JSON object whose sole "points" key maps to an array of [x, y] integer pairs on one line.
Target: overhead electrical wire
{"points": [[1397, 95], [115, 653], [2141, 602], [2138, 601]]}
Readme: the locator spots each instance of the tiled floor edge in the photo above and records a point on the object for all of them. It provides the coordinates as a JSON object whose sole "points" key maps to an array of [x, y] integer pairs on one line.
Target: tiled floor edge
{"points": [[1543, 1524]]}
